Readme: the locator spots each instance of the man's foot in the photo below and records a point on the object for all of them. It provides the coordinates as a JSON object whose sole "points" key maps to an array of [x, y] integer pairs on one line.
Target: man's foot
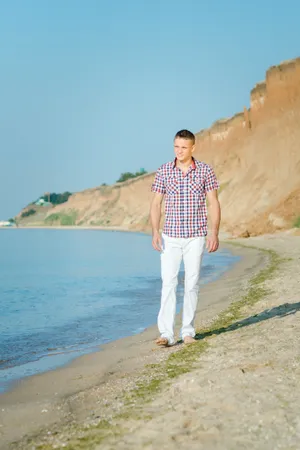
{"points": [[162, 342], [189, 340]]}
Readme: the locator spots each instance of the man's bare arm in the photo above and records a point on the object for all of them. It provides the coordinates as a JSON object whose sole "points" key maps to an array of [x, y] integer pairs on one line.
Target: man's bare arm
{"points": [[155, 216], [215, 217]]}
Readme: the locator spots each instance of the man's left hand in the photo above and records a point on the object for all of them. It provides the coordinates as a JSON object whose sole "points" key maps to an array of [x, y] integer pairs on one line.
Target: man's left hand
{"points": [[212, 243]]}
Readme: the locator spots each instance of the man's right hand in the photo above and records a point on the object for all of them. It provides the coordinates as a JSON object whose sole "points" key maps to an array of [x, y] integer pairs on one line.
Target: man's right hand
{"points": [[157, 241]]}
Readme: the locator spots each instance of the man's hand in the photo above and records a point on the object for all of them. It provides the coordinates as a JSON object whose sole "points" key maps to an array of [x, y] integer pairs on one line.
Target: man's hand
{"points": [[212, 243], [155, 212], [157, 241]]}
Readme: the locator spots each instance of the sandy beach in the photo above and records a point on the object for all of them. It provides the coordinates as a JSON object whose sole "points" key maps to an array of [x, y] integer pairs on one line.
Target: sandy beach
{"points": [[235, 388]]}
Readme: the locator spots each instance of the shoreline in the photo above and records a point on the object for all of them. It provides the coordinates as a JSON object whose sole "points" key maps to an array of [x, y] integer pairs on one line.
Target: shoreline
{"points": [[52, 393], [10, 385], [73, 227], [91, 348]]}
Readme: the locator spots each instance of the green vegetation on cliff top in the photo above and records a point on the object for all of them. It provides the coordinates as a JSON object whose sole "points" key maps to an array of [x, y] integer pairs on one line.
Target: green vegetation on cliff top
{"points": [[62, 219]]}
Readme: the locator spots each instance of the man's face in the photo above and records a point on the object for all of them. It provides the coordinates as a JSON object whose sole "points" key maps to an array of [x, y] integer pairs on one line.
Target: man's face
{"points": [[183, 149]]}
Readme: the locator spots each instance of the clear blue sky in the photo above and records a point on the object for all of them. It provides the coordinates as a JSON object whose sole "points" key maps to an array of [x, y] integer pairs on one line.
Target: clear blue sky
{"points": [[93, 88]]}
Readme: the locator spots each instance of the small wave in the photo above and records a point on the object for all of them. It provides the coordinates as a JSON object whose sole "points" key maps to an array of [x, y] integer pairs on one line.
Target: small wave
{"points": [[139, 330]]}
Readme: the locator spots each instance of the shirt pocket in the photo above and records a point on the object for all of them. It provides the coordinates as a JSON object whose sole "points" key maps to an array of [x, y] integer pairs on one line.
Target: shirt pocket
{"points": [[172, 186], [196, 185]]}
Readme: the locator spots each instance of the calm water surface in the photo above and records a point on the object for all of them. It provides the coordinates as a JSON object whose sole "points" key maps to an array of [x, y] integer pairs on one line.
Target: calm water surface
{"points": [[64, 292]]}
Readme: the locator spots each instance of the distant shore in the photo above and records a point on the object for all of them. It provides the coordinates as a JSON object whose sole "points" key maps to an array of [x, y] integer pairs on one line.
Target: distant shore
{"points": [[223, 235], [72, 227]]}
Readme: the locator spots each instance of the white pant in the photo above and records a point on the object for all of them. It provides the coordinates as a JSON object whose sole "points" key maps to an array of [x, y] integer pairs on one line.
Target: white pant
{"points": [[174, 249]]}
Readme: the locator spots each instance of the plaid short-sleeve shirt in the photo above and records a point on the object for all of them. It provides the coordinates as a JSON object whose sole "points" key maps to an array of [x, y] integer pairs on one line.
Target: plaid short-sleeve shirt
{"points": [[185, 195]]}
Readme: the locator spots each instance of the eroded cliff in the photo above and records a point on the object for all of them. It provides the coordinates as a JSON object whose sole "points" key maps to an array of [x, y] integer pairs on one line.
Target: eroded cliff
{"points": [[256, 155]]}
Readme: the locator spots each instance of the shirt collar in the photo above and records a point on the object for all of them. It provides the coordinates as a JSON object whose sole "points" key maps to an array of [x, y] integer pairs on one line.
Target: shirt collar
{"points": [[193, 163]]}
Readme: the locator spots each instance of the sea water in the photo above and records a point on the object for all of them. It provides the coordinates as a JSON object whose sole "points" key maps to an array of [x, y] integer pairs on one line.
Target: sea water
{"points": [[65, 292]]}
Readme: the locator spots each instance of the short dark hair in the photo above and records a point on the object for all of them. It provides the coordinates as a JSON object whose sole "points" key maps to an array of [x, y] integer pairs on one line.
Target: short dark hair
{"points": [[185, 134]]}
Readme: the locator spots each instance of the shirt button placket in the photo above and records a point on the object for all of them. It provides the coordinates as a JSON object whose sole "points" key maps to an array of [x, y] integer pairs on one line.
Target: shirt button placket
{"points": [[185, 206], [180, 206]]}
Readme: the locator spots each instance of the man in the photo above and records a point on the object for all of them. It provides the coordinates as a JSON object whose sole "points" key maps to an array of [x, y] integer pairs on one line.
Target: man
{"points": [[185, 183]]}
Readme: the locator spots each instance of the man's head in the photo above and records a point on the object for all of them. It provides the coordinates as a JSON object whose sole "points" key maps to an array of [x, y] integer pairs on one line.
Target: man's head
{"points": [[184, 145]]}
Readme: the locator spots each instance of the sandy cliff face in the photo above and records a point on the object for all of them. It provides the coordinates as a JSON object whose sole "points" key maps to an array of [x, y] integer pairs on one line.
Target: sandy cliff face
{"points": [[123, 205], [256, 155]]}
